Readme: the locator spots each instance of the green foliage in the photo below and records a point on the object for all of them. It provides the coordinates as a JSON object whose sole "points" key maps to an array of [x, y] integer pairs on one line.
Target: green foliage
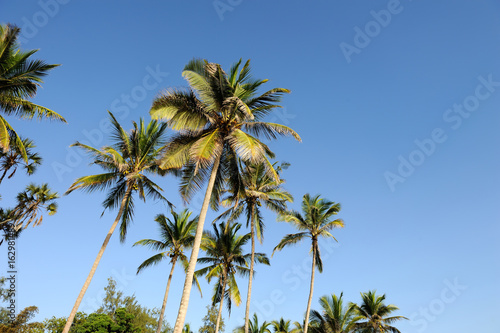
{"points": [[121, 322], [56, 325], [20, 323], [143, 318], [118, 313], [187, 329], [210, 320]]}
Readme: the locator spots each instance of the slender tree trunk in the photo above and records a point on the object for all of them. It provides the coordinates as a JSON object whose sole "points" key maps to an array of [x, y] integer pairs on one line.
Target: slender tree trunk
{"points": [[181, 316], [3, 175], [219, 315], [160, 321], [306, 324], [250, 277], [96, 262]]}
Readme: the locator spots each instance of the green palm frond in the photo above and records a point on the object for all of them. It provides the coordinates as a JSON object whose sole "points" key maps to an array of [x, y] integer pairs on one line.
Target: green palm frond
{"points": [[154, 260], [93, 183], [290, 239], [270, 130]]}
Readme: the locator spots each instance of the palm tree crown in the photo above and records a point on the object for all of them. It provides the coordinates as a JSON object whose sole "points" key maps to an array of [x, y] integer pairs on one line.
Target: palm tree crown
{"points": [[282, 326], [12, 159], [254, 326], [176, 236], [334, 317], [216, 119], [20, 78], [127, 163], [373, 315], [30, 204]]}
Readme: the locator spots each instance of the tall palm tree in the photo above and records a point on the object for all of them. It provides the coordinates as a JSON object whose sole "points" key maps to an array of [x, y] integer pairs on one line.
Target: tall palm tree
{"points": [[316, 222], [126, 163], [20, 78], [176, 236], [254, 326], [217, 118], [334, 317], [12, 159], [225, 259], [282, 326], [374, 315], [257, 189]]}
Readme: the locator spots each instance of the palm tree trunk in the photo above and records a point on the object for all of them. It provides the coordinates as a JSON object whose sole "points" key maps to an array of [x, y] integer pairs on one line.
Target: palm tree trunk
{"points": [[219, 315], [3, 175], [181, 316], [160, 321], [306, 324], [96, 262], [250, 277]]}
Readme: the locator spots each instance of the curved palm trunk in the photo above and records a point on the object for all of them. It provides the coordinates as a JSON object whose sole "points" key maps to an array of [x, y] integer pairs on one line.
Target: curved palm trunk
{"points": [[96, 262], [306, 324], [3, 175], [160, 321], [219, 315], [181, 316], [250, 277]]}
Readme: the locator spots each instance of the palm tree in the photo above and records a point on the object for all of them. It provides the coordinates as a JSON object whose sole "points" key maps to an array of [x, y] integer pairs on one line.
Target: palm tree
{"points": [[334, 317], [225, 259], [216, 119], [30, 204], [257, 188], [282, 326], [127, 162], [20, 78], [254, 326], [176, 236], [13, 158], [373, 314], [316, 222]]}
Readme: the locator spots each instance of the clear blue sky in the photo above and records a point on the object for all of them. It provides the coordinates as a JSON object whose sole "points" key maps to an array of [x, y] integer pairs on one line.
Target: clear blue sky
{"points": [[397, 104]]}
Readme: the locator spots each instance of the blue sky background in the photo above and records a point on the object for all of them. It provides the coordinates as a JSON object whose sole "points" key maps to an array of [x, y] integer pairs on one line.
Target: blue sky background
{"points": [[359, 116]]}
